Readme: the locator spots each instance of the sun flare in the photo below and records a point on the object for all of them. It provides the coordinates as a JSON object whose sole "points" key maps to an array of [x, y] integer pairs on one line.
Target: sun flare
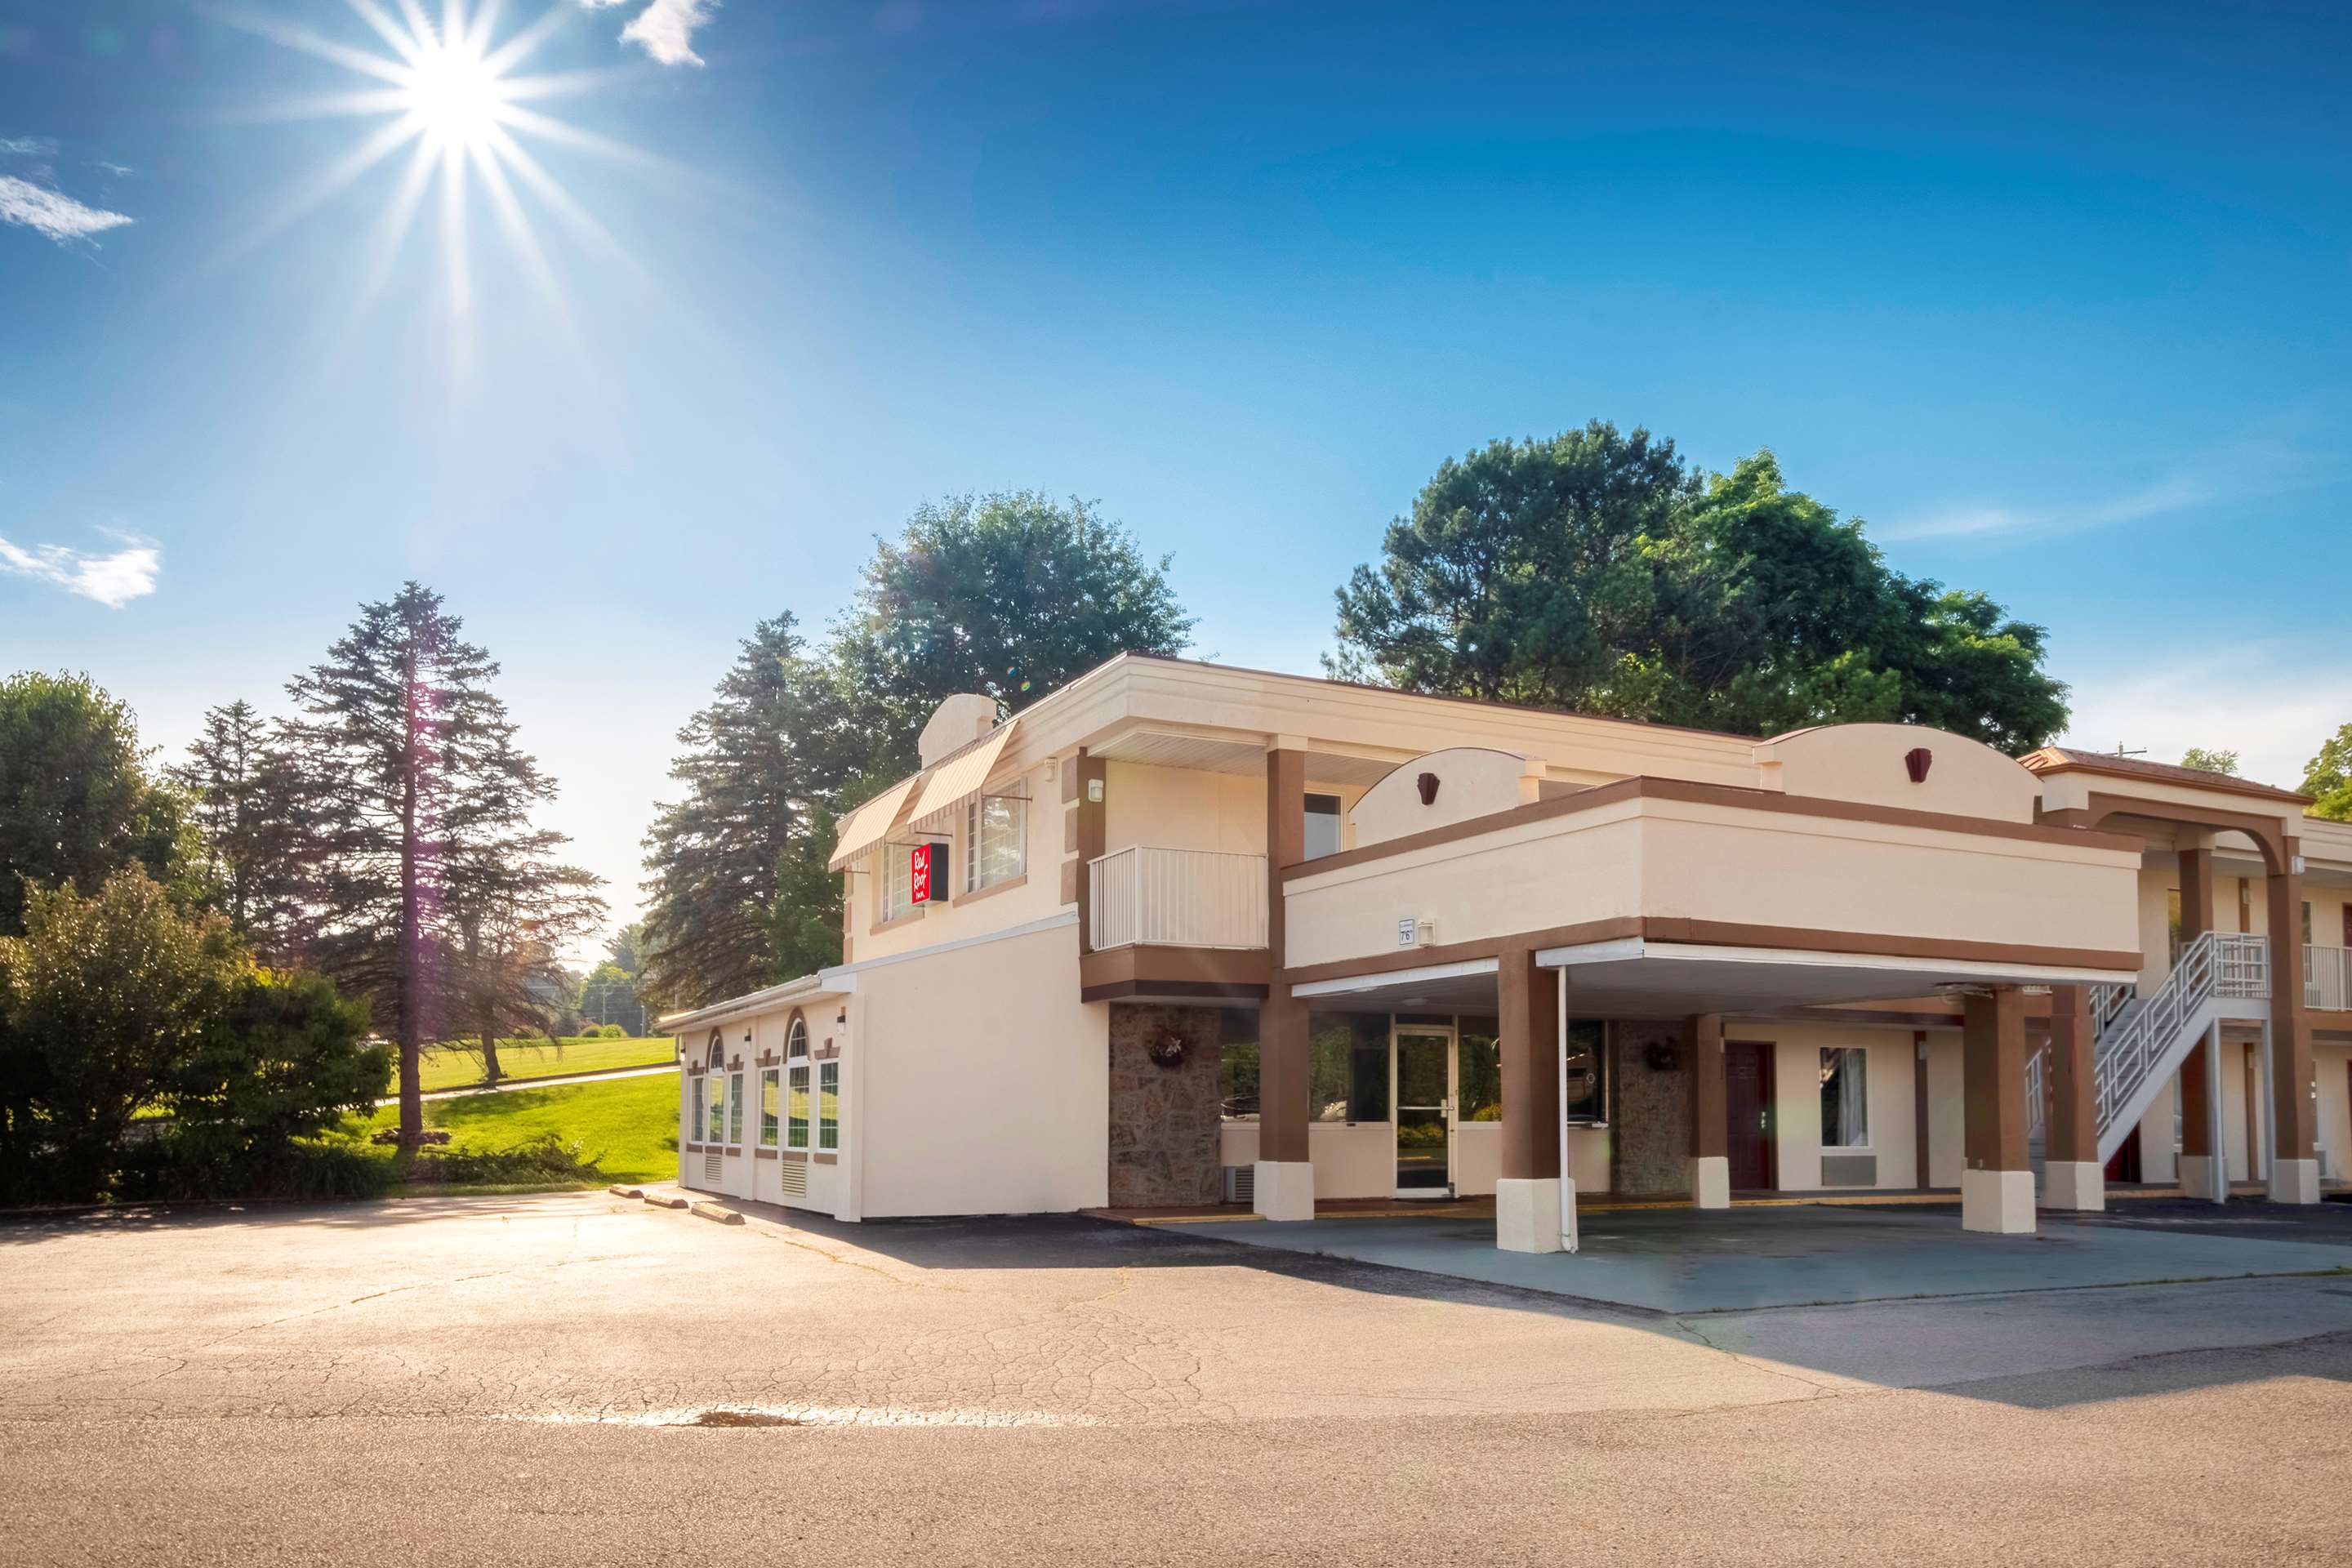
{"points": [[454, 94], [444, 89]]}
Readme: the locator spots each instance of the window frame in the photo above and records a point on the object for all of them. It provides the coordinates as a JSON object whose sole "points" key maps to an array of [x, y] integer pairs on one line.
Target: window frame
{"points": [[771, 1105], [796, 1094], [698, 1107], [1857, 1057], [1599, 1116], [894, 885], [977, 877], [828, 1090], [735, 1109], [1338, 819]]}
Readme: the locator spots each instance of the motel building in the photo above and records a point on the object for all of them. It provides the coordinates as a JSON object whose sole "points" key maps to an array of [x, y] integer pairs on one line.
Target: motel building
{"points": [[1185, 934]]}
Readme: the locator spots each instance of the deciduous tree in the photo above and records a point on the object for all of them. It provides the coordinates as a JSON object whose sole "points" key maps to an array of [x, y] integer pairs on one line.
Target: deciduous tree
{"points": [[76, 800], [1597, 572], [2327, 777]]}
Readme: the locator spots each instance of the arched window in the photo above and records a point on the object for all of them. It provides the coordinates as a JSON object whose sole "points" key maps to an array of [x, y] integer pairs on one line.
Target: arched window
{"points": [[796, 1039], [717, 1050]]}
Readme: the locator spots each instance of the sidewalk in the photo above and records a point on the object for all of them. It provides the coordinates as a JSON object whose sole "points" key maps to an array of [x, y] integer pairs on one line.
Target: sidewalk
{"points": [[510, 1085]]}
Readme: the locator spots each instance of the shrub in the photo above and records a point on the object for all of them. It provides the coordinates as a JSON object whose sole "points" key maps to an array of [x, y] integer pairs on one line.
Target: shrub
{"points": [[286, 1060], [612, 1031], [546, 1158]]}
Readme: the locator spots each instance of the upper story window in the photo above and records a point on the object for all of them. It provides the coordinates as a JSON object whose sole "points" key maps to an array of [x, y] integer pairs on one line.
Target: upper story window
{"points": [[796, 1038], [995, 841], [1322, 826], [895, 889]]}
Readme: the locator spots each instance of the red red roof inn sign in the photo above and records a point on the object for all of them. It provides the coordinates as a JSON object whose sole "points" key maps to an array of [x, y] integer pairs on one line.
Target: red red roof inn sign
{"points": [[927, 864]]}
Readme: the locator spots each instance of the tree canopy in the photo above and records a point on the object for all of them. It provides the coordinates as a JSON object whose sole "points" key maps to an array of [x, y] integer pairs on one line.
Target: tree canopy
{"points": [[1597, 572], [2327, 777], [76, 801]]}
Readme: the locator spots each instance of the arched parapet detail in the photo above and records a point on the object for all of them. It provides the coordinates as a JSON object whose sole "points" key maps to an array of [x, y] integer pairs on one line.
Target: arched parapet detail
{"points": [[1440, 789], [1909, 766]]}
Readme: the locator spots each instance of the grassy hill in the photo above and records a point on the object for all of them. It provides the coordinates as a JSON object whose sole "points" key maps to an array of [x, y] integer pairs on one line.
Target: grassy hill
{"points": [[451, 1067]]}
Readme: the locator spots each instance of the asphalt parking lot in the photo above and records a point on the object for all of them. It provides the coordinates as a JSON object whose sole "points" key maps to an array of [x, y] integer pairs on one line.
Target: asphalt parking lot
{"points": [[580, 1378]]}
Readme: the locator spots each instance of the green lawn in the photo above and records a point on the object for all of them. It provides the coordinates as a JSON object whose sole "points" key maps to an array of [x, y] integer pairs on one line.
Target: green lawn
{"points": [[629, 1125], [449, 1068]]}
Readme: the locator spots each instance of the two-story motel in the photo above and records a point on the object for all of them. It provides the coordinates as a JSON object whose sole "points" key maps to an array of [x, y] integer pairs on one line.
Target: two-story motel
{"points": [[1182, 934]]}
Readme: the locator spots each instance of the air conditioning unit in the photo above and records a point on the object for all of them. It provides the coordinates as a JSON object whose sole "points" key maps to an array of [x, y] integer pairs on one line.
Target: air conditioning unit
{"points": [[1241, 1184]]}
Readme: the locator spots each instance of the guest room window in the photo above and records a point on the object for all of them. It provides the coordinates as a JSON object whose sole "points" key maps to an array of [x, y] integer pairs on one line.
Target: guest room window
{"points": [[735, 1108], [897, 881], [828, 1105], [768, 1098], [995, 835], [1584, 1072], [797, 1109], [1845, 1097], [1322, 826]]}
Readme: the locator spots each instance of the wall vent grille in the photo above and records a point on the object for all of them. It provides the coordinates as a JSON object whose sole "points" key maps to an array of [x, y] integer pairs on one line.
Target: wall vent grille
{"points": [[714, 1167], [794, 1179], [1241, 1184], [1849, 1170]]}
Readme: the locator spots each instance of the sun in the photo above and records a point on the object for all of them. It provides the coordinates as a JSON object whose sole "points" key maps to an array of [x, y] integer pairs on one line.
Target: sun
{"points": [[444, 89], [456, 96]]}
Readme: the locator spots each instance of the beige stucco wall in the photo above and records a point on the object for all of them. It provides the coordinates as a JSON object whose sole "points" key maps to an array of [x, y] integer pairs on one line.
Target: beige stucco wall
{"points": [[1865, 762], [1682, 859], [996, 909], [1947, 1109], [1795, 1069], [1182, 808], [2334, 1065], [984, 1082], [1471, 780]]}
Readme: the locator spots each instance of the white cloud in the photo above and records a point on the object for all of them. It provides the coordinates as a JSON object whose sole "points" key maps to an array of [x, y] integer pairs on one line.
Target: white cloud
{"points": [[665, 28], [2243, 471], [52, 213], [112, 580], [2267, 701], [26, 146]]}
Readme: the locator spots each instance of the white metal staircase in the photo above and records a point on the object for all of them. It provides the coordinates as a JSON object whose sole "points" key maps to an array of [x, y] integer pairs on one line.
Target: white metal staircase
{"points": [[2143, 1041]]}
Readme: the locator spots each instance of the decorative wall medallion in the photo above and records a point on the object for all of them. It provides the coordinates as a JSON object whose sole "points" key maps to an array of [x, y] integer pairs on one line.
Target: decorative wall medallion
{"points": [[1915, 762]]}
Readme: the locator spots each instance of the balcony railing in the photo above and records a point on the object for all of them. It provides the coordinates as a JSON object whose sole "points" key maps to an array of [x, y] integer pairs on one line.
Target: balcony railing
{"points": [[1177, 898], [2328, 977]]}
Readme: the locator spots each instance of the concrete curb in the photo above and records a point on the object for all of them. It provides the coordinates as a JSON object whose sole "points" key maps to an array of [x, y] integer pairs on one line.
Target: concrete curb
{"points": [[714, 1212], [661, 1201], [619, 1191]]}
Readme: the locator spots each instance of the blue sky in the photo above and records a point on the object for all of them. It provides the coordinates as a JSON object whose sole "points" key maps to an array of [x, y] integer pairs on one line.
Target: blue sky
{"points": [[2053, 296]]}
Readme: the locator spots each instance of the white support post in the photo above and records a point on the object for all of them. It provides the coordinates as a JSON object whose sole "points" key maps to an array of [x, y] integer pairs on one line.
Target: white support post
{"points": [[1559, 1118], [2218, 1139]]}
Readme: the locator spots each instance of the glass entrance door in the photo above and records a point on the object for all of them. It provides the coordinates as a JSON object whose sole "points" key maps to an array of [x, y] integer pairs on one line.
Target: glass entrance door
{"points": [[1424, 1112]]}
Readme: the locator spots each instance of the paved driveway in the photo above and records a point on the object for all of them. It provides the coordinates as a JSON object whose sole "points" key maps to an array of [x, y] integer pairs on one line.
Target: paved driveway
{"points": [[583, 1379], [1685, 1260]]}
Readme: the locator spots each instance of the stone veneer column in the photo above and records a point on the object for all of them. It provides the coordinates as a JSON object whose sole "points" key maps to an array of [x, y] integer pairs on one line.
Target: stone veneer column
{"points": [[2294, 1155], [1711, 1127], [1284, 1179], [2071, 1175], [1997, 1186], [1535, 1202]]}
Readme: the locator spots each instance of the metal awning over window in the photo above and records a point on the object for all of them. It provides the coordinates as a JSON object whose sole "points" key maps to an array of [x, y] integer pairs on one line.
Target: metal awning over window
{"points": [[871, 823], [961, 774]]}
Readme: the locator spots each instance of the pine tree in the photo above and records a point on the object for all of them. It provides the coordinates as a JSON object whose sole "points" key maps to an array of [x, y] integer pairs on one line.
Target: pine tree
{"points": [[769, 743], [247, 810], [419, 830]]}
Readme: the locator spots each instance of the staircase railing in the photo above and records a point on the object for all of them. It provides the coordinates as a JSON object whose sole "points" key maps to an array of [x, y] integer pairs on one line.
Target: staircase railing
{"points": [[2137, 1037]]}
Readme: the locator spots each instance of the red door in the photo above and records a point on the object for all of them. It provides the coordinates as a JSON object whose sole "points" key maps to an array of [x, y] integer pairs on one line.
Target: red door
{"points": [[1747, 1084]]}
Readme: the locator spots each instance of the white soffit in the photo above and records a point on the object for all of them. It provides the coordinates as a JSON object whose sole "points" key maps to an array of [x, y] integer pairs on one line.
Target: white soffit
{"points": [[1397, 979], [1218, 755], [962, 774]]}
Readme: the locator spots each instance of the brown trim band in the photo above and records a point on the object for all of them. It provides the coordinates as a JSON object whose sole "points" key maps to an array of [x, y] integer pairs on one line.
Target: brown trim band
{"points": [[2269, 832], [1722, 933], [2223, 783], [1129, 990], [1153, 966], [763, 1153], [795, 1156], [1732, 796], [826, 1159]]}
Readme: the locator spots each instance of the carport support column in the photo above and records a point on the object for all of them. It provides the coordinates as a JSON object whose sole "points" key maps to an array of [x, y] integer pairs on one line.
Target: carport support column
{"points": [[1710, 1113], [1284, 1179], [1532, 1197], [2294, 1154], [2073, 1177], [2197, 1071], [1997, 1186]]}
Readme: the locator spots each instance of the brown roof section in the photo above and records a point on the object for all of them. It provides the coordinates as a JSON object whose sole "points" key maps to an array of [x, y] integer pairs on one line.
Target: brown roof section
{"points": [[2066, 759]]}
